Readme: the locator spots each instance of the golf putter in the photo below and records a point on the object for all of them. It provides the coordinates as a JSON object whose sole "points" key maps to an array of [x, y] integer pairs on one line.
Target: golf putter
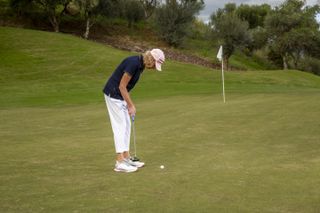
{"points": [[135, 158]]}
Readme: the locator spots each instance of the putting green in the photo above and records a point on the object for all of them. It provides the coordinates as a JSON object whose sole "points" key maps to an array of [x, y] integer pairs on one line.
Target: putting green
{"points": [[259, 152]]}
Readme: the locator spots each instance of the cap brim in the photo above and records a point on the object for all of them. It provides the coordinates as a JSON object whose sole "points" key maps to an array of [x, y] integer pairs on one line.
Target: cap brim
{"points": [[158, 66]]}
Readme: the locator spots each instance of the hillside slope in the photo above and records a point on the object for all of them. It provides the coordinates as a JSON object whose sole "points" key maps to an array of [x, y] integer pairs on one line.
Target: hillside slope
{"points": [[43, 68]]}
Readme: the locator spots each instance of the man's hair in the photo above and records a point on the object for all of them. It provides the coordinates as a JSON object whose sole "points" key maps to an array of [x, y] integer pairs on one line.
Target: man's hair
{"points": [[148, 59]]}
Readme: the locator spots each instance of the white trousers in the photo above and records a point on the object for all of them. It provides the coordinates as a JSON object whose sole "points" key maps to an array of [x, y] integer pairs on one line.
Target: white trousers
{"points": [[120, 123]]}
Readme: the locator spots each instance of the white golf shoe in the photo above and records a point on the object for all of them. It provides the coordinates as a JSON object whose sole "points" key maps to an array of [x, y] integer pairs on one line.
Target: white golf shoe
{"points": [[137, 164], [124, 167]]}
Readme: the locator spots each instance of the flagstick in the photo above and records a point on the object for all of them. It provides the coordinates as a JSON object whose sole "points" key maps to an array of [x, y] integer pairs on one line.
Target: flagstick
{"points": [[223, 93], [220, 57]]}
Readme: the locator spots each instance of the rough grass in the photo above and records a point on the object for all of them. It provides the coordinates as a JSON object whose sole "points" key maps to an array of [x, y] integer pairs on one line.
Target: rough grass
{"points": [[259, 152]]}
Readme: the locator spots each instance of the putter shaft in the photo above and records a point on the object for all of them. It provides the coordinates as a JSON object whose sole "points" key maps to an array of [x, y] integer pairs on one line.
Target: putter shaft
{"points": [[134, 136]]}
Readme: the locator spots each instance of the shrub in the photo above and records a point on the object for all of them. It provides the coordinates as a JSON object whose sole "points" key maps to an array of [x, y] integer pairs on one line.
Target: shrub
{"points": [[310, 65]]}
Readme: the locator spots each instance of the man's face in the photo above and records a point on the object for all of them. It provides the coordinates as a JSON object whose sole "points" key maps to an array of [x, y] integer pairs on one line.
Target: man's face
{"points": [[152, 66]]}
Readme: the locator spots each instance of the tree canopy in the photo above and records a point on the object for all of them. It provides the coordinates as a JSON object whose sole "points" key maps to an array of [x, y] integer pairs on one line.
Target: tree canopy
{"points": [[293, 31]]}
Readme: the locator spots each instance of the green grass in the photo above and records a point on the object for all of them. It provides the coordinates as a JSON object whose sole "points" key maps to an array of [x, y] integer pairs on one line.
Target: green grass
{"points": [[201, 47], [241, 61], [259, 152]]}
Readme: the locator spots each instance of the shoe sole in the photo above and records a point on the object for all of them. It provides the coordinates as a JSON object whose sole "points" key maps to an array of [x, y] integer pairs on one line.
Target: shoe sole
{"points": [[126, 171]]}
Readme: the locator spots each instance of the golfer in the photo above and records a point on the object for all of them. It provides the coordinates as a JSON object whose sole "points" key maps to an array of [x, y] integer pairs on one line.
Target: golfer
{"points": [[121, 107]]}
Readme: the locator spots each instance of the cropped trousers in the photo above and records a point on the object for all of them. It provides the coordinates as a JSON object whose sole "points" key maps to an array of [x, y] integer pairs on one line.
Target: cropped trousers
{"points": [[120, 123]]}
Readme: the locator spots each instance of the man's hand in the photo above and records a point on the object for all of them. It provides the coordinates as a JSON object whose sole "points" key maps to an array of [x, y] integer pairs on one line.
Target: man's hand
{"points": [[132, 110]]}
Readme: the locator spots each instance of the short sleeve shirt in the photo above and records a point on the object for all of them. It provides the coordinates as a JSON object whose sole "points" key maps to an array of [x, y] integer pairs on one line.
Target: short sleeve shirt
{"points": [[132, 65]]}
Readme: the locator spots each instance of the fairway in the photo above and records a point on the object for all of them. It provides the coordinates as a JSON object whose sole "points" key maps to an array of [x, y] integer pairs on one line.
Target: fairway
{"points": [[258, 152]]}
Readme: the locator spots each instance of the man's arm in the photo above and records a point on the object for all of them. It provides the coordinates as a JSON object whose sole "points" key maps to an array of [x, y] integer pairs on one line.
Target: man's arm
{"points": [[125, 94]]}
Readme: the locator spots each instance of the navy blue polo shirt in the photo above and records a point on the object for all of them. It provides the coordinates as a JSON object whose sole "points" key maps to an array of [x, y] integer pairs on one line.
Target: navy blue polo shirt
{"points": [[132, 65]]}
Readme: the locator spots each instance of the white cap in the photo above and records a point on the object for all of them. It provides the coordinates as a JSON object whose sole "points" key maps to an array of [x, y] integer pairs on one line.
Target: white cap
{"points": [[158, 55]]}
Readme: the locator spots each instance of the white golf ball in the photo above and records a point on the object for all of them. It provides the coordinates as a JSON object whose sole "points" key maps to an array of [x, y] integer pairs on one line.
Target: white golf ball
{"points": [[162, 167]]}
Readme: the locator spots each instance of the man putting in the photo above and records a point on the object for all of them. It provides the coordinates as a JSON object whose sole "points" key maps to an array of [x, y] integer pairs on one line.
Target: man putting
{"points": [[121, 107]]}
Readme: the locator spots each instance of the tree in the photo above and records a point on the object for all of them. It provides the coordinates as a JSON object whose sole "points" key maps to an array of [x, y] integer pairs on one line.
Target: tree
{"points": [[230, 29], [259, 37], [89, 8], [21, 6], [111, 8], [173, 19], [54, 9], [149, 7], [254, 15], [292, 31], [134, 11]]}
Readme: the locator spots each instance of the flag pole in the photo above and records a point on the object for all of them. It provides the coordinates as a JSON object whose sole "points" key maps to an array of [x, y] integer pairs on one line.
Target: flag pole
{"points": [[222, 72], [220, 57]]}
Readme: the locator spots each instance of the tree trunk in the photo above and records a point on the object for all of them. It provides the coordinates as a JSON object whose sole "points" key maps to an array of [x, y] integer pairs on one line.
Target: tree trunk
{"points": [[285, 62], [296, 59], [55, 25], [295, 63], [54, 22], [86, 34], [56, 28]]}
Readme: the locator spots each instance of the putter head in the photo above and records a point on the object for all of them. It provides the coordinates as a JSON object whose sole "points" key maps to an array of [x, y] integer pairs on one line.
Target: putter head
{"points": [[135, 158]]}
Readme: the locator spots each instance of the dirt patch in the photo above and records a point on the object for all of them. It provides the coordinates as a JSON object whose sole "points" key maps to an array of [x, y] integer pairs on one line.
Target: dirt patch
{"points": [[125, 43]]}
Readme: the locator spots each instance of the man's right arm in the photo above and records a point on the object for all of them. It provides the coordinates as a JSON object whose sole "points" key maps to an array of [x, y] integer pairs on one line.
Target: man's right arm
{"points": [[125, 94]]}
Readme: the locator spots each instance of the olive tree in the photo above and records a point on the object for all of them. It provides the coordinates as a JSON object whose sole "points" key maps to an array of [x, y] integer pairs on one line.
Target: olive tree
{"points": [[293, 31], [174, 18], [230, 29]]}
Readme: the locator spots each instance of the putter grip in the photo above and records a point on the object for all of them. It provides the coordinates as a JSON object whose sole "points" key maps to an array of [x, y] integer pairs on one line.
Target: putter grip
{"points": [[132, 118]]}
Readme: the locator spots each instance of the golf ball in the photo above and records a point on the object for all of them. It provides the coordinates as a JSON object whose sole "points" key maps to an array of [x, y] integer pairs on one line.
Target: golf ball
{"points": [[162, 167]]}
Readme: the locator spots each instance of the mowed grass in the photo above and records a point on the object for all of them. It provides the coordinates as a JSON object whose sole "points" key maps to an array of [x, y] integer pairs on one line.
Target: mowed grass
{"points": [[259, 152]]}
